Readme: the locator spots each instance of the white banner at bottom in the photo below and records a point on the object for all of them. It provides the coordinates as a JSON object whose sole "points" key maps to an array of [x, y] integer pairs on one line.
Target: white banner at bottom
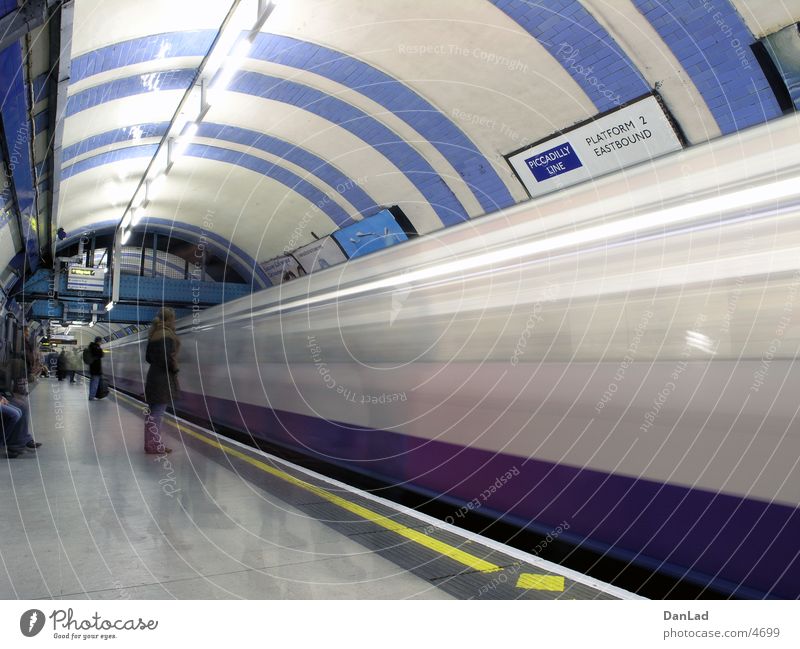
{"points": [[399, 624]]}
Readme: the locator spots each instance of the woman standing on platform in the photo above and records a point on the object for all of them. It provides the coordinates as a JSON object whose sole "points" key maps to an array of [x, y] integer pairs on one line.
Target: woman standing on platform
{"points": [[62, 365], [161, 387]]}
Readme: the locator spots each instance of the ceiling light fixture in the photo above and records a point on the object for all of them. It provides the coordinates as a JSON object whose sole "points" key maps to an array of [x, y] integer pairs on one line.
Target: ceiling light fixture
{"points": [[155, 186], [217, 68], [180, 144]]}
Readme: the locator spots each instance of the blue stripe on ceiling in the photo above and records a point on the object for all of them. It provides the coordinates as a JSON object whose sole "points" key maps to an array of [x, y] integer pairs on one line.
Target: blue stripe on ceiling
{"points": [[308, 191], [129, 86], [401, 154], [40, 87], [126, 134], [397, 151], [313, 164], [284, 176], [437, 128], [582, 46], [7, 6], [110, 157], [41, 121], [17, 130], [713, 45], [399, 99], [327, 173], [139, 50]]}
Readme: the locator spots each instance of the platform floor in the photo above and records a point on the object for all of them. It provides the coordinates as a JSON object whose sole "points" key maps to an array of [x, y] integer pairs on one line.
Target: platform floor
{"points": [[90, 516]]}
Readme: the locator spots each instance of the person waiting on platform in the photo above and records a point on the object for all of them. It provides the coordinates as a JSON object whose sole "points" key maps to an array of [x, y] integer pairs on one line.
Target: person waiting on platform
{"points": [[161, 387], [62, 364], [14, 425], [30, 355], [95, 367]]}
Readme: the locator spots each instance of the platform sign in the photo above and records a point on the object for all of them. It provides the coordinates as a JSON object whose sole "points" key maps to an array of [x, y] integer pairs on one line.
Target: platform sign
{"points": [[282, 269], [319, 254], [80, 278], [637, 132], [370, 234]]}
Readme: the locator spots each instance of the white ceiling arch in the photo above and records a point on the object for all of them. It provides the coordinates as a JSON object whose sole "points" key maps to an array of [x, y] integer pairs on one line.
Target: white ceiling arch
{"points": [[344, 106]]}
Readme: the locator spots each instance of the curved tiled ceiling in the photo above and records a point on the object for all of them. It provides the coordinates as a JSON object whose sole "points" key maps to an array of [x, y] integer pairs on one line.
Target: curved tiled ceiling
{"points": [[344, 106]]}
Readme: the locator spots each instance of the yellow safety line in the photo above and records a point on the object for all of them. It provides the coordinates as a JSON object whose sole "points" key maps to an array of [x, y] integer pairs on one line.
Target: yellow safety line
{"points": [[530, 581], [465, 558]]}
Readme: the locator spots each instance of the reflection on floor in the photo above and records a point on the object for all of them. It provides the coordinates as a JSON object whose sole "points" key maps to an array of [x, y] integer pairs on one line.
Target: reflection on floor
{"points": [[90, 516]]}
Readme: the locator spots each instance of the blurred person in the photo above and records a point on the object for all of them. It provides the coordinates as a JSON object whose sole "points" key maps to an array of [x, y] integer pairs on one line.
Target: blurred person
{"points": [[31, 365], [96, 354], [51, 363], [161, 387], [61, 365]]}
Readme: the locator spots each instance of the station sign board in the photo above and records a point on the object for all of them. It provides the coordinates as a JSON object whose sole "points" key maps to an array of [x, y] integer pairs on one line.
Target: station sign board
{"points": [[623, 137], [80, 278], [320, 254]]}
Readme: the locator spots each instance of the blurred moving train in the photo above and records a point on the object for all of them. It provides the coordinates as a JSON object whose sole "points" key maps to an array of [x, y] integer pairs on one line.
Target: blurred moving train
{"points": [[622, 354]]}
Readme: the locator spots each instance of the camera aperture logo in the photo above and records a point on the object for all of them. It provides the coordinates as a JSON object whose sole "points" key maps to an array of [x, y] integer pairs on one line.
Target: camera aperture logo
{"points": [[31, 622], [68, 627]]}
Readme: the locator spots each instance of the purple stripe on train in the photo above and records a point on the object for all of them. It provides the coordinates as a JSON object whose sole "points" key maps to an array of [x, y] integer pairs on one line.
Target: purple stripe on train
{"points": [[746, 547]]}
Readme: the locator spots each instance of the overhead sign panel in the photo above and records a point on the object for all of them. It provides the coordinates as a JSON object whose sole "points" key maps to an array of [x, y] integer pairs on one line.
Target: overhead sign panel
{"points": [[319, 254], [624, 137], [370, 234], [80, 278]]}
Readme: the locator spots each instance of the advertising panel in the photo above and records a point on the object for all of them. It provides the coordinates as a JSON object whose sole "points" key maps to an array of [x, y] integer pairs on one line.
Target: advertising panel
{"points": [[370, 234]]}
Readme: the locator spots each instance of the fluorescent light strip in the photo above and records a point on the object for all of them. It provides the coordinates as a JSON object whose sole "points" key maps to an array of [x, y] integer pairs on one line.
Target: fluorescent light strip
{"points": [[741, 200], [231, 66], [183, 141]]}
